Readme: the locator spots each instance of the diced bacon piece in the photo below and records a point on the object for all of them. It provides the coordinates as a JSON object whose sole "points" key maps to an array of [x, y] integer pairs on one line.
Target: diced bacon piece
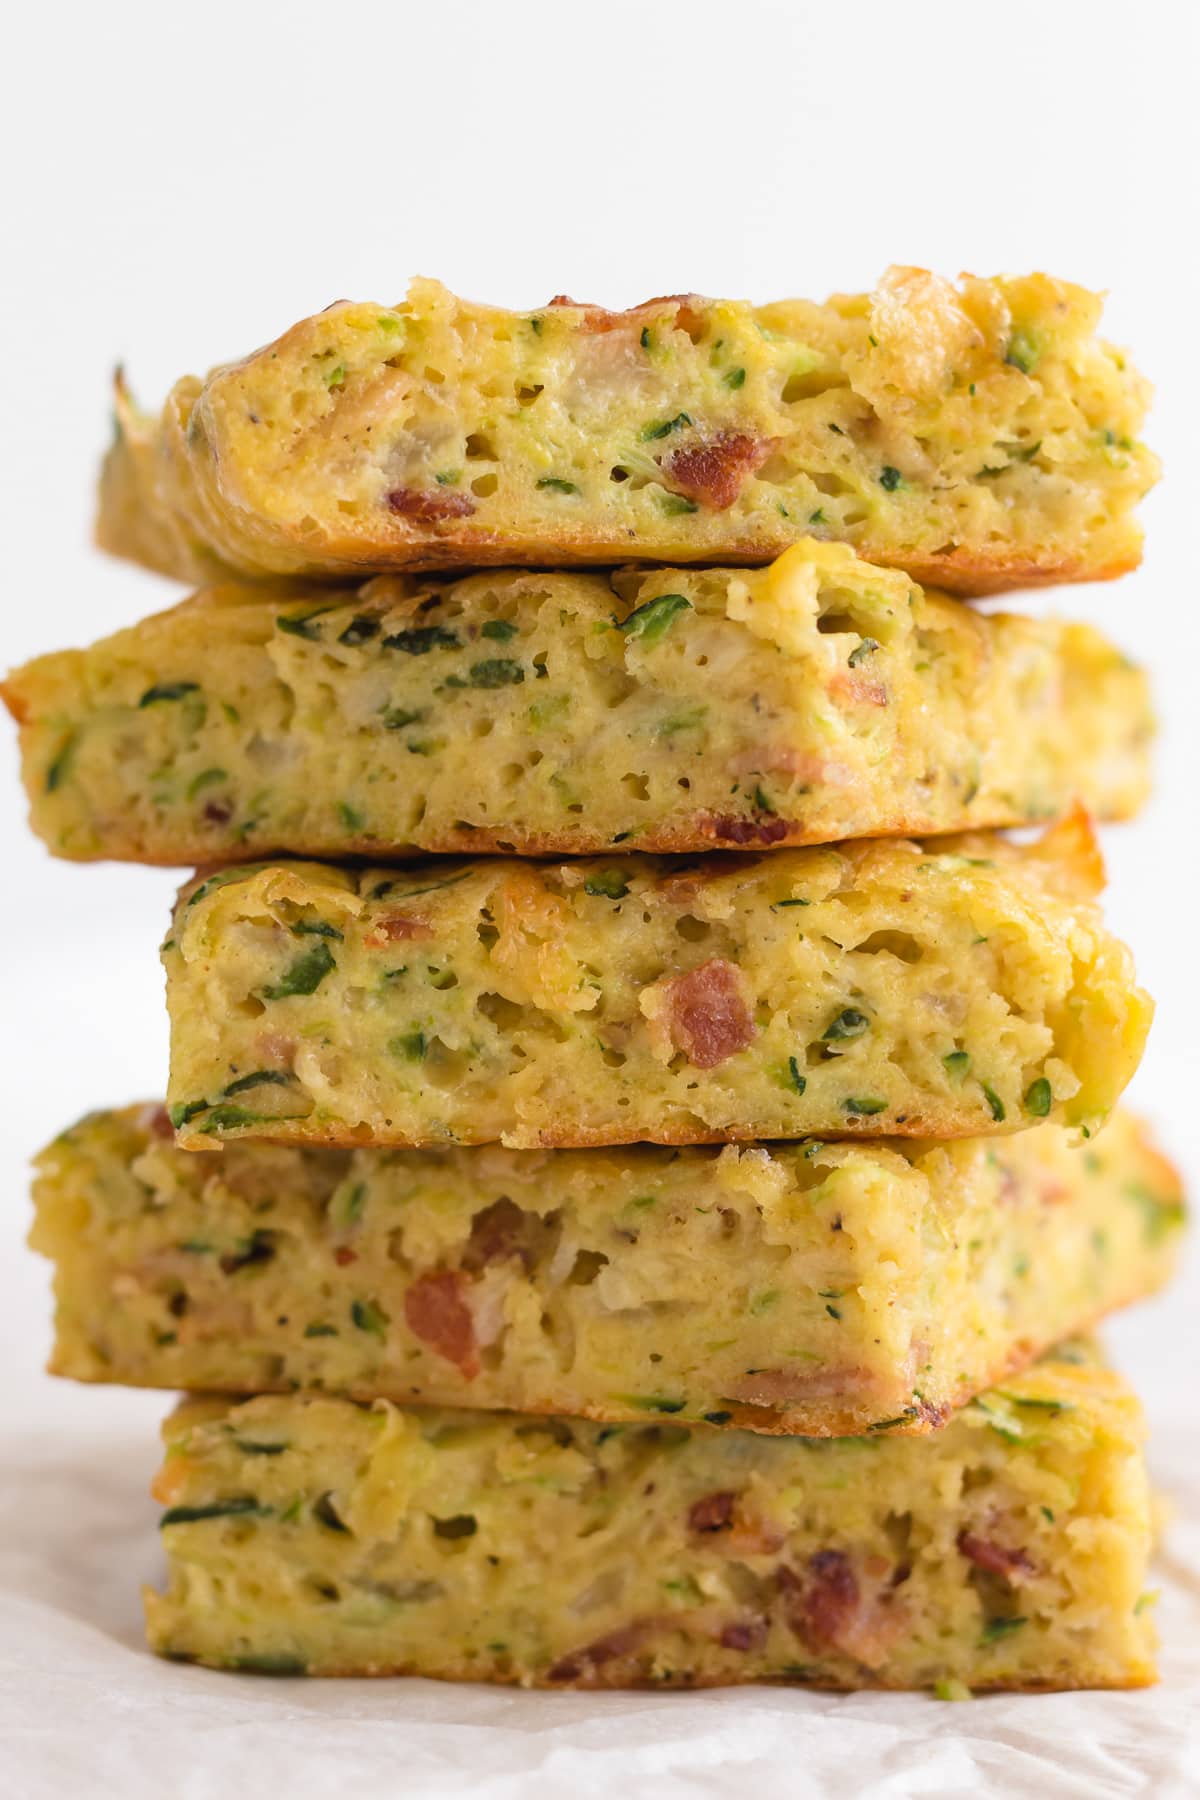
{"points": [[713, 1513], [395, 928], [996, 1558], [729, 829], [689, 310], [159, 1123], [595, 318], [750, 1534], [436, 1311], [343, 1256], [706, 1015], [688, 313], [496, 1234], [428, 505], [826, 1610], [744, 1634], [714, 470], [822, 1605], [577, 1665]]}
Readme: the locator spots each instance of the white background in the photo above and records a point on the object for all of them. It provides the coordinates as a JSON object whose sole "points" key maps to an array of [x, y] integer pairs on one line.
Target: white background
{"points": [[182, 184]]}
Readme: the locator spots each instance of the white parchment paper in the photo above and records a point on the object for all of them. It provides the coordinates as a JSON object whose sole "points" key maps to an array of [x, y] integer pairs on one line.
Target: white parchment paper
{"points": [[85, 1710]]}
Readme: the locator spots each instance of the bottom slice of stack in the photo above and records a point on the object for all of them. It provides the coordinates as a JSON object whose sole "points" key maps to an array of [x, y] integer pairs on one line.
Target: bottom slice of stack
{"points": [[672, 1537]]}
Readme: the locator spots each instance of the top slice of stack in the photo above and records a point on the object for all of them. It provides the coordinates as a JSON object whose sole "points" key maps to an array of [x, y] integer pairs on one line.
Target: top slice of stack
{"points": [[979, 438]]}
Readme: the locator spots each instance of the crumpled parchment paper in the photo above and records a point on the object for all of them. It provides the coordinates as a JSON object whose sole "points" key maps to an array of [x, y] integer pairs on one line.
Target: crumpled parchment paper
{"points": [[85, 1711]]}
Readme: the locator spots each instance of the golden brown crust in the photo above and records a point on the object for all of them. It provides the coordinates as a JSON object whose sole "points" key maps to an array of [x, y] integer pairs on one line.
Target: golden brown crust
{"points": [[349, 1137], [598, 1682], [973, 577], [13, 699], [485, 841], [961, 571]]}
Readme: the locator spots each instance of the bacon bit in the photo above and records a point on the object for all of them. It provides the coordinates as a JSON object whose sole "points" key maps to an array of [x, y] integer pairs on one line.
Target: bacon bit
{"points": [[218, 812], [427, 505], [343, 1256], [688, 314], [996, 1558], [708, 1019], [859, 690], [713, 1513], [159, 1123], [744, 1634], [496, 1234], [595, 318], [716, 469], [393, 927], [827, 1611], [821, 1608], [437, 1313], [732, 830], [578, 1664]]}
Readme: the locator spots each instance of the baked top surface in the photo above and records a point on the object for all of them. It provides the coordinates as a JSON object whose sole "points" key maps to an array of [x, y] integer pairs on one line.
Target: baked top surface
{"points": [[982, 437], [570, 713], [873, 988], [822, 1288], [1007, 1550]]}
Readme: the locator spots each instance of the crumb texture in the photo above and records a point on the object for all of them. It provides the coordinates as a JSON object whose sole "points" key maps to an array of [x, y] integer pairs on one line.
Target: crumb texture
{"points": [[313, 1535], [574, 713], [980, 437]]}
